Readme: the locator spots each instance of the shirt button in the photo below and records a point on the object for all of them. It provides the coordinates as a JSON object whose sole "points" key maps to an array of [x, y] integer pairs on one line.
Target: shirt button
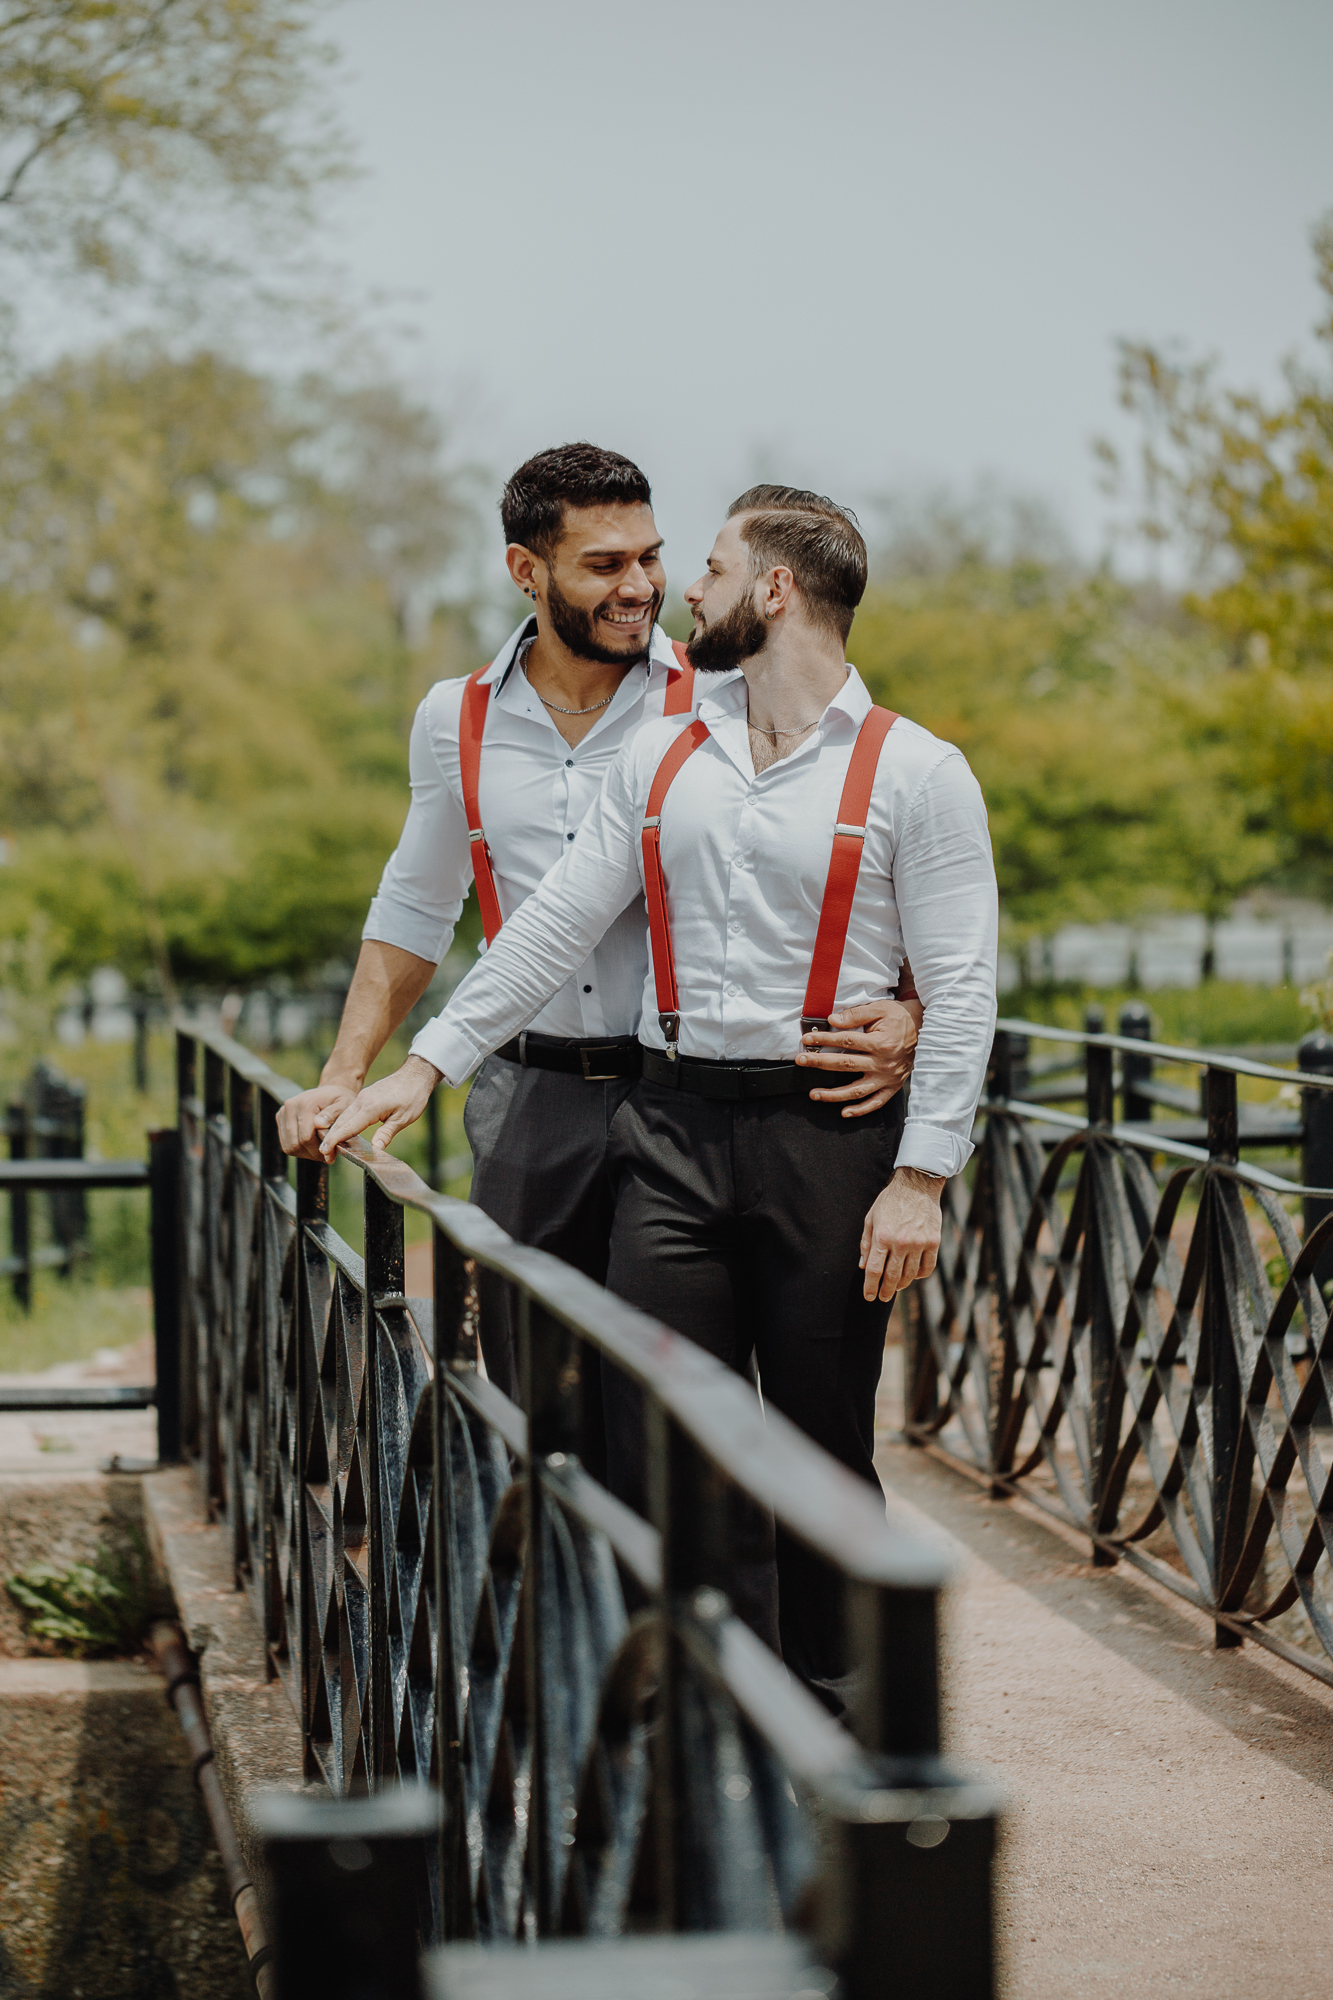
{"points": [[569, 836], [587, 989], [735, 930], [569, 763]]}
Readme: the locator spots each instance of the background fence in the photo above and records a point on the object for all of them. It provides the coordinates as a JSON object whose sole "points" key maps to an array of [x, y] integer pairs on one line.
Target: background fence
{"points": [[1146, 1353]]}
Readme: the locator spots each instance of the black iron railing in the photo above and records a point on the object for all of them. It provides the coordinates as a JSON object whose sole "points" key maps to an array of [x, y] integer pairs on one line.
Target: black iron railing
{"points": [[447, 1593], [1126, 1326]]}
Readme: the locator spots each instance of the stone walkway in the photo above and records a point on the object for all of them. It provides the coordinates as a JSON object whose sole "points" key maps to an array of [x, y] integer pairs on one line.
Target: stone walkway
{"points": [[1171, 1824]]}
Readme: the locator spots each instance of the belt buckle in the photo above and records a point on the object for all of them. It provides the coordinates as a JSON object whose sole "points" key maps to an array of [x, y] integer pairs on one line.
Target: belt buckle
{"points": [[598, 1076]]}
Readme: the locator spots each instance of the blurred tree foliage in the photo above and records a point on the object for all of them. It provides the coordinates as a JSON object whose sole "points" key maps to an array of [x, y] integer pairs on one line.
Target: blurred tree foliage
{"points": [[157, 143], [220, 599], [1109, 784], [1245, 485]]}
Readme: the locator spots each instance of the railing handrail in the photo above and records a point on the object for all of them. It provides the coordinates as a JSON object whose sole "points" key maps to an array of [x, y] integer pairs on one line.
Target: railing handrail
{"points": [[810, 1494], [1037, 1031]]}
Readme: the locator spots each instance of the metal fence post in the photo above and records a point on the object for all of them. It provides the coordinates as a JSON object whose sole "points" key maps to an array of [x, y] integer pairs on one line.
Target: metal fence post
{"points": [[922, 1846], [384, 1277], [551, 1357], [689, 1507], [312, 1206], [20, 1224], [1316, 1054], [164, 1174], [1101, 1084], [455, 1348], [1135, 1024], [1229, 1472], [187, 1060]]}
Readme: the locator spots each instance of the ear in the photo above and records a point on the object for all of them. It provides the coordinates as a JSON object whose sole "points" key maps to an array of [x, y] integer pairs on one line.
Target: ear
{"points": [[526, 569], [775, 591]]}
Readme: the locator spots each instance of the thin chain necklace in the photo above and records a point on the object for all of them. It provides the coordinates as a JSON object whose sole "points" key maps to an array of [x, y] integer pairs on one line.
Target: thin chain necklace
{"points": [[591, 709], [759, 729]]}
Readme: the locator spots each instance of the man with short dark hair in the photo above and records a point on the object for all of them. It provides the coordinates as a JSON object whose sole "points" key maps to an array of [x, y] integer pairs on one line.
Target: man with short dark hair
{"points": [[794, 843], [504, 766]]}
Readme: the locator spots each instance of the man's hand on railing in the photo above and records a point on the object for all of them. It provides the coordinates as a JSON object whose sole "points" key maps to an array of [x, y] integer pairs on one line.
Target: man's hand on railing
{"points": [[303, 1120], [901, 1238], [393, 1103], [878, 1039]]}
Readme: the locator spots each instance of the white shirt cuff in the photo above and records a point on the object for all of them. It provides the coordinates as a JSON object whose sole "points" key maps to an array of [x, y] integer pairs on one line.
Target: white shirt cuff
{"points": [[932, 1150], [399, 924], [449, 1049]]}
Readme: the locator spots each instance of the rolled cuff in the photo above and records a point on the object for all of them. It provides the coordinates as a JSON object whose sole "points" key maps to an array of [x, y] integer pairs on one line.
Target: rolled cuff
{"points": [[453, 1053], [399, 924], [929, 1148]]}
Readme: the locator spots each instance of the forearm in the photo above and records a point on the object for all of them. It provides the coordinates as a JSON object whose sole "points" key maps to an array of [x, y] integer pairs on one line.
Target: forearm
{"points": [[538, 949], [385, 987]]}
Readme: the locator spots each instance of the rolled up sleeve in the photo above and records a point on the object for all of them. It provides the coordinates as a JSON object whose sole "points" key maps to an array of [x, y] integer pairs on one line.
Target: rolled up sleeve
{"points": [[425, 884], [944, 880]]}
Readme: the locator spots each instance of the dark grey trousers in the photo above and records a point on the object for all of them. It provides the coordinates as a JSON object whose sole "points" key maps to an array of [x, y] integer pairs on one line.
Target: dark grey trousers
{"points": [[739, 1225], [538, 1142]]}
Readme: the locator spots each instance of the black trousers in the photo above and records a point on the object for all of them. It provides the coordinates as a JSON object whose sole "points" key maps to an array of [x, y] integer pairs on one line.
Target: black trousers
{"points": [[739, 1225], [539, 1169]]}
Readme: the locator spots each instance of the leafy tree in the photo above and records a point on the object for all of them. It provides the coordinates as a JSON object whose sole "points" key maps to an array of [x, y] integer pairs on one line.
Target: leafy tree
{"points": [[205, 685], [1108, 797], [136, 135], [1244, 484]]}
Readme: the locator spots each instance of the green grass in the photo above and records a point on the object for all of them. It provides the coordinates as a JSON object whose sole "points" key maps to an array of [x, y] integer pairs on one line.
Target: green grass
{"points": [[1221, 1014]]}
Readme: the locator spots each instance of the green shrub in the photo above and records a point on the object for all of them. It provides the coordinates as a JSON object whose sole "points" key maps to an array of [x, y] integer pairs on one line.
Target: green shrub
{"points": [[88, 1609]]}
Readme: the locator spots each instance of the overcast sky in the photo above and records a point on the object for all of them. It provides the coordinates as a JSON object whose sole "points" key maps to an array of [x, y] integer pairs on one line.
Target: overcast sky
{"points": [[859, 244]]}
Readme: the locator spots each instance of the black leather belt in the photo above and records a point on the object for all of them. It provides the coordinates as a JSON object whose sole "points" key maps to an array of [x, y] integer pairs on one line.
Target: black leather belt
{"points": [[606, 1061], [705, 1078]]}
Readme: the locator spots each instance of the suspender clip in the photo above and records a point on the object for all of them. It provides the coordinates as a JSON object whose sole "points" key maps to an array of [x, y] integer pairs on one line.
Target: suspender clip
{"points": [[811, 1026], [670, 1026]]}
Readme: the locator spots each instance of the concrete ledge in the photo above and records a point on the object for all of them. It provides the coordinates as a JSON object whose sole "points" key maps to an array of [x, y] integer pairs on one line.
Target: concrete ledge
{"points": [[256, 1737]]}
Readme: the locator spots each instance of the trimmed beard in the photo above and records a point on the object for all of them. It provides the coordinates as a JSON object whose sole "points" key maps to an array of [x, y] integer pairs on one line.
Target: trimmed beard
{"points": [[577, 630], [717, 649]]}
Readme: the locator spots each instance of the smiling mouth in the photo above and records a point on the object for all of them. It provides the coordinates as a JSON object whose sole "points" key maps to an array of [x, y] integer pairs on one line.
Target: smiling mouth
{"points": [[625, 617]]}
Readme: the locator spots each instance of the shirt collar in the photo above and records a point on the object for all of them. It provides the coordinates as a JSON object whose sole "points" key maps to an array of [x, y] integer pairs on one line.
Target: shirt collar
{"points": [[728, 695], [662, 661]]}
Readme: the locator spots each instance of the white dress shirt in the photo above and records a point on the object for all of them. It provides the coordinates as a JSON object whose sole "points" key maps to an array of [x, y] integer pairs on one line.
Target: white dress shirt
{"points": [[533, 791], [745, 857]]}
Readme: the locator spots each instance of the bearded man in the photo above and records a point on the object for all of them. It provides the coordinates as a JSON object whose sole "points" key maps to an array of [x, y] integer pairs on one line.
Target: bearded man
{"points": [[505, 767], [794, 843]]}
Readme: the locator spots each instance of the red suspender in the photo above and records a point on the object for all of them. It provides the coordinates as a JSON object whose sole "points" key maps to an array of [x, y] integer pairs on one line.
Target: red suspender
{"points": [[471, 723], [839, 887], [849, 837], [664, 963], [680, 688]]}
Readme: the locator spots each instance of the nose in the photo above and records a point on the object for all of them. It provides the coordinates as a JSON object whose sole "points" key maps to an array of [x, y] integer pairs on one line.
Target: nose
{"points": [[694, 596], [634, 585]]}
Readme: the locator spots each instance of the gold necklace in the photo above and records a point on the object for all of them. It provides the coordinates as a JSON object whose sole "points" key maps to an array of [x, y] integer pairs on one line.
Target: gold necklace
{"points": [[759, 729], [591, 709]]}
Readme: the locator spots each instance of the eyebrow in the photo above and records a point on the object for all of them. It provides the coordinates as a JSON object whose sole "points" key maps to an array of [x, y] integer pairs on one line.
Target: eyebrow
{"points": [[590, 555]]}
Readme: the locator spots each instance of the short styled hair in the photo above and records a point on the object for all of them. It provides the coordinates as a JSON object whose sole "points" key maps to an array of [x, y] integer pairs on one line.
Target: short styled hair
{"points": [[532, 507], [816, 539]]}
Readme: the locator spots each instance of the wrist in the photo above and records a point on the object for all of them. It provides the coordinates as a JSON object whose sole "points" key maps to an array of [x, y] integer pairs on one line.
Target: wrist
{"points": [[346, 1075], [424, 1071], [924, 1183]]}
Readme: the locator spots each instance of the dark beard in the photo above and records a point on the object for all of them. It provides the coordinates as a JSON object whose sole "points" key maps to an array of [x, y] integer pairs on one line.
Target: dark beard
{"points": [[577, 630], [738, 636]]}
